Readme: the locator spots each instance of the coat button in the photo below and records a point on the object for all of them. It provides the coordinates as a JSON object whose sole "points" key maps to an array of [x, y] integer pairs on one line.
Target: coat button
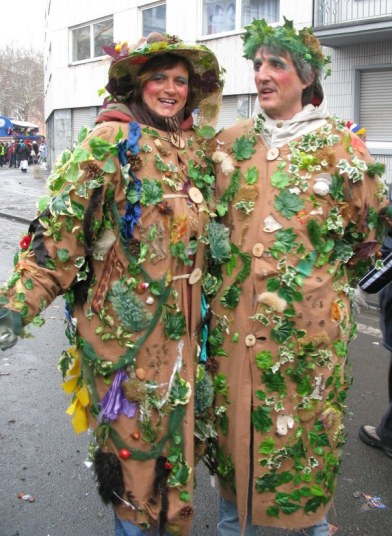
{"points": [[195, 276], [258, 250], [250, 340], [196, 195], [273, 153]]}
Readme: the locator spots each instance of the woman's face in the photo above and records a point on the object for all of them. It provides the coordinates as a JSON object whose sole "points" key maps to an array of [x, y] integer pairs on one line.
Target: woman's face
{"points": [[166, 92]]}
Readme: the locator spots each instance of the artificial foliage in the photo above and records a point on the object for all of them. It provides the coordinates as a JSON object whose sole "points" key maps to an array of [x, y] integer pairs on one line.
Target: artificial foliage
{"points": [[131, 311]]}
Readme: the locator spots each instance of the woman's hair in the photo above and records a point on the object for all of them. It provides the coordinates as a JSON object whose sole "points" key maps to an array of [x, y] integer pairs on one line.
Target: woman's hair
{"points": [[157, 63], [305, 71]]}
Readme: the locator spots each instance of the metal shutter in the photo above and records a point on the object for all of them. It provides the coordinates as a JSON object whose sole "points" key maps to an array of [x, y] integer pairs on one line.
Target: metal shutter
{"points": [[375, 104], [82, 117], [228, 112]]}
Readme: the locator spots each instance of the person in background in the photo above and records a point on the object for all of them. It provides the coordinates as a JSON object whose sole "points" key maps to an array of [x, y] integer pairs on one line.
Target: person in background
{"points": [[122, 238], [298, 197], [24, 155], [380, 436], [2, 154]]}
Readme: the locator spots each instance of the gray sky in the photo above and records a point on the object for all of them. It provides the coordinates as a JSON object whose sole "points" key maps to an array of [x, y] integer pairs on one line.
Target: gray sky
{"points": [[22, 23]]}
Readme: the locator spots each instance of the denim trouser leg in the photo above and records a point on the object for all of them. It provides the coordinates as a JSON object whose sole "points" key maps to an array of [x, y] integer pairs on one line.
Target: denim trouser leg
{"points": [[127, 528], [228, 523]]}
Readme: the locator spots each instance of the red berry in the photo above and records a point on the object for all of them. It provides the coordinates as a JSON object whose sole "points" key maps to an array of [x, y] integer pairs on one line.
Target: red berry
{"points": [[168, 466], [124, 454]]}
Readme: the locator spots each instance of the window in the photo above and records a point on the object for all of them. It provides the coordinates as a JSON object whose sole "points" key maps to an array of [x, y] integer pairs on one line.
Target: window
{"points": [[226, 15], [375, 87], [87, 40], [154, 19]]}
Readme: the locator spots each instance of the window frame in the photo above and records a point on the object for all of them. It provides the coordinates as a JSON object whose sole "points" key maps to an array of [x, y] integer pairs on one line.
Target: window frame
{"points": [[239, 29], [90, 25], [147, 7]]}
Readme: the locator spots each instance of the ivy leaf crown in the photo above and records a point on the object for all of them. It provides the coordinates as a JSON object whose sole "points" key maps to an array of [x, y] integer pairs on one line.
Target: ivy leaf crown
{"points": [[300, 43]]}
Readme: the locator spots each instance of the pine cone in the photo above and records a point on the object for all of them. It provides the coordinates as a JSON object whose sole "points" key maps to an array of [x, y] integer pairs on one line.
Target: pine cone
{"points": [[135, 162], [186, 512], [212, 365], [134, 247], [92, 170], [172, 39]]}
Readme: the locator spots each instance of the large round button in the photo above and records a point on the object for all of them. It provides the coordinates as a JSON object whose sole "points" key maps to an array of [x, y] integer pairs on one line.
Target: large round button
{"points": [[273, 153], [196, 195], [250, 340], [258, 250], [177, 141], [195, 276]]}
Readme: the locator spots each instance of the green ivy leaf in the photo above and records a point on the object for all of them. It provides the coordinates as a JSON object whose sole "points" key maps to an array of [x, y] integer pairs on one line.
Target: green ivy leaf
{"points": [[284, 242], [243, 148], [288, 204], [283, 332], [261, 418], [271, 481], [280, 180], [109, 166], [251, 175], [273, 511], [206, 132], [174, 325], [80, 154], [185, 496], [100, 148], [82, 135], [267, 446], [119, 135], [63, 254], [264, 359], [43, 202], [152, 192]]}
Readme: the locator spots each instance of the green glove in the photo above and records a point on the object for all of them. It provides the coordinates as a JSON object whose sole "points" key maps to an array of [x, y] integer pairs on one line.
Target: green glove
{"points": [[10, 327]]}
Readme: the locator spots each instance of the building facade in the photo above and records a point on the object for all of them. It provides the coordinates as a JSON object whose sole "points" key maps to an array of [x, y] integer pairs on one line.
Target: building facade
{"points": [[357, 34]]}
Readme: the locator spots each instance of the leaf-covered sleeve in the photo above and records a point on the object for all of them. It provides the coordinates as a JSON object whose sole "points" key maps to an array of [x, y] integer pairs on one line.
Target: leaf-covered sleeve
{"points": [[63, 233]]}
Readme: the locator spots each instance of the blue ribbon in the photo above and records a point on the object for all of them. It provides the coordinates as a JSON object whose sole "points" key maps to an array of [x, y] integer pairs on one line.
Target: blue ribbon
{"points": [[133, 211], [204, 330]]}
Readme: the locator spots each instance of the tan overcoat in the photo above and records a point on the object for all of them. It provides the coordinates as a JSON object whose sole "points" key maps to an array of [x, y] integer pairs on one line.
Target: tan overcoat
{"points": [[137, 320], [298, 215]]}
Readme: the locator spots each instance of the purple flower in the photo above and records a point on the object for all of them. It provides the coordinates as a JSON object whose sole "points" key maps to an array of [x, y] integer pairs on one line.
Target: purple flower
{"points": [[114, 401], [208, 82]]}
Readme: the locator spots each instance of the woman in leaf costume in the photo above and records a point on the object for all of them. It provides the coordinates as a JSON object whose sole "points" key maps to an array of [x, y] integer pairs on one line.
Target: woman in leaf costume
{"points": [[298, 199], [122, 238]]}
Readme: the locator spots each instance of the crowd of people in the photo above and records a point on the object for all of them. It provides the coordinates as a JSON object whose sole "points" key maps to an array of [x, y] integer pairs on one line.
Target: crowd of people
{"points": [[209, 281], [22, 153]]}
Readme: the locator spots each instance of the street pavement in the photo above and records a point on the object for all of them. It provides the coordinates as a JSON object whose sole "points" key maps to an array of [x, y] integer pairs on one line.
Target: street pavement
{"points": [[43, 458]]}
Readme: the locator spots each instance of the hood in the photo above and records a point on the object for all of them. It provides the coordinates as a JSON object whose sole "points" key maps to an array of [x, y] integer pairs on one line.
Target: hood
{"points": [[277, 133]]}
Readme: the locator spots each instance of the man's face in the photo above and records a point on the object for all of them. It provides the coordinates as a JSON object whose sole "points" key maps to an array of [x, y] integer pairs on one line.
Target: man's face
{"points": [[278, 85]]}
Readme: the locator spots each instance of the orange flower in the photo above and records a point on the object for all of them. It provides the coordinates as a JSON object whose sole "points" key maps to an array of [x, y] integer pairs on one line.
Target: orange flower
{"points": [[358, 144]]}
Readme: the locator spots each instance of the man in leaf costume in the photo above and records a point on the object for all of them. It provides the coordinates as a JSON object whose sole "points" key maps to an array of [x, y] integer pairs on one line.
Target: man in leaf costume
{"points": [[298, 200], [122, 237]]}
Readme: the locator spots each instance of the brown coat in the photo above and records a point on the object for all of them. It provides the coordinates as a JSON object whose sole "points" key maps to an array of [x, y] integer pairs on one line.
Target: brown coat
{"points": [[139, 316], [281, 365]]}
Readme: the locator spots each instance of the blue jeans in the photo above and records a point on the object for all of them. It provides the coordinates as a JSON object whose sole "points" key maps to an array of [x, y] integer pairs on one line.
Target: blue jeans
{"points": [[127, 528], [228, 524]]}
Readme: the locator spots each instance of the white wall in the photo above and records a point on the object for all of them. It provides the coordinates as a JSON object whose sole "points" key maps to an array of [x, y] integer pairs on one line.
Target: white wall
{"points": [[76, 86]]}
